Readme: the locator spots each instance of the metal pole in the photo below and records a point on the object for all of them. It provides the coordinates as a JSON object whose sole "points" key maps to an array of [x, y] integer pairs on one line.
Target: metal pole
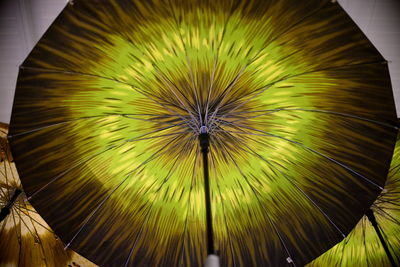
{"points": [[371, 217], [204, 139]]}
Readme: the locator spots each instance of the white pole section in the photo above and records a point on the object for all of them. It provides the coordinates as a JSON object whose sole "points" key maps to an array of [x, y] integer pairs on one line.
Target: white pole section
{"points": [[212, 261]]}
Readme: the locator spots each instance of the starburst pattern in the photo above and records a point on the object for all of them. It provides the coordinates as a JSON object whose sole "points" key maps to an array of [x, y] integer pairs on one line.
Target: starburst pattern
{"points": [[110, 102]]}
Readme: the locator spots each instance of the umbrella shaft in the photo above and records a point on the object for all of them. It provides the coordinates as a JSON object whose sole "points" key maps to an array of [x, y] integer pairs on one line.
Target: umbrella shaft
{"points": [[204, 144], [7, 208], [371, 217]]}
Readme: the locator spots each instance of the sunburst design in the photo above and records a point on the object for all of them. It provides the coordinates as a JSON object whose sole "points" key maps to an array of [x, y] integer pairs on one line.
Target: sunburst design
{"points": [[110, 103]]}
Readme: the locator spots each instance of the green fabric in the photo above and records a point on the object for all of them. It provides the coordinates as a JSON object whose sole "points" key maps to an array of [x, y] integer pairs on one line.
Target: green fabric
{"points": [[109, 104], [362, 246]]}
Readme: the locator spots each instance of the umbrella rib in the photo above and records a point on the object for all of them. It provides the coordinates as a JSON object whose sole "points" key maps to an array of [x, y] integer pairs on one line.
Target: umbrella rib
{"points": [[152, 137], [345, 242], [160, 100], [222, 147], [160, 72], [6, 176], [390, 247], [269, 85], [194, 173], [210, 89], [156, 136], [364, 239], [392, 202], [391, 218], [194, 87], [75, 73], [255, 57], [80, 163], [3, 225], [19, 238], [98, 208], [23, 221], [152, 157], [107, 78], [15, 226], [35, 237], [264, 133], [261, 90], [172, 169], [37, 222], [12, 172], [272, 111], [153, 62], [153, 121], [78, 119], [266, 211], [171, 86], [161, 104], [41, 245], [288, 30], [215, 65], [315, 204], [90, 158], [251, 151], [227, 91], [226, 225], [155, 66], [173, 91], [4, 195], [137, 238], [385, 199], [393, 169]]}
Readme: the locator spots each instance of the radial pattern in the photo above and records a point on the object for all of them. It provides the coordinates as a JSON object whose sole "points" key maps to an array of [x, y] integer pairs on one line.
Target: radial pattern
{"points": [[362, 246], [25, 238], [109, 104]]}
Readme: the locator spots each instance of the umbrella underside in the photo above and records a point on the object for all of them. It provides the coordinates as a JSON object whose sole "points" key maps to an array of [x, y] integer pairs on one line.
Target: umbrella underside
{"points": [[109, 105], [25, 238], [362, 246]]}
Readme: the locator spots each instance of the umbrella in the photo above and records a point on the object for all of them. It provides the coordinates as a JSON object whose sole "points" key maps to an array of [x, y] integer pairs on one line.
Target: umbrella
{"points": [[291, 103], [26, 239], [362, 246]]}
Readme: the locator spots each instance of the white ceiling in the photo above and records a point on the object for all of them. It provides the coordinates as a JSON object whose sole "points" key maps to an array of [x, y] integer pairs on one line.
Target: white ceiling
{"points": [[22, 22]]}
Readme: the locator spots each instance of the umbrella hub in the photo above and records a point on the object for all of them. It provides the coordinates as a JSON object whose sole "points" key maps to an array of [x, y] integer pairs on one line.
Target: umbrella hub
{"points": [[203, 130]]}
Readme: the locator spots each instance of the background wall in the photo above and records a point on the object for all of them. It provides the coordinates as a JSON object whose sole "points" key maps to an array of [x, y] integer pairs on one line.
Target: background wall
{"points": [[22, 23]]}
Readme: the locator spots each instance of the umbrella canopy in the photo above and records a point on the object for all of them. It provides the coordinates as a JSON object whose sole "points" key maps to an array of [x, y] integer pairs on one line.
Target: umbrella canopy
{"points": [[109, 105], [362, 246], [25, 238]]}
